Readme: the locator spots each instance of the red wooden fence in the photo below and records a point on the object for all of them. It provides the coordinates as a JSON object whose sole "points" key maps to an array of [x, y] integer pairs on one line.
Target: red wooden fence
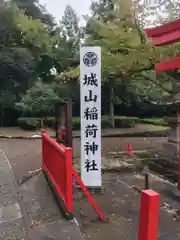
{"points": [[88, 195], [57, 165]]}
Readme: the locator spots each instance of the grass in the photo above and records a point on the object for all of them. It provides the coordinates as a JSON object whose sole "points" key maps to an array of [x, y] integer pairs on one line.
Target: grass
{"points": [[153, 121], [157, 128]]}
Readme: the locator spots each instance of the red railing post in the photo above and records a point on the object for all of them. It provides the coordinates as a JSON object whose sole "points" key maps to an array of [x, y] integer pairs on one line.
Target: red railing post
{"points": [[57, 166], [69, 179], [149, 211], [43, 145], [88, 195]]}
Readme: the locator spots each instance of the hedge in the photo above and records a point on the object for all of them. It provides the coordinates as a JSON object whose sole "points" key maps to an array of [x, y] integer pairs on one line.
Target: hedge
{"points": [[29, 123], [154, 121], [120, 122]]}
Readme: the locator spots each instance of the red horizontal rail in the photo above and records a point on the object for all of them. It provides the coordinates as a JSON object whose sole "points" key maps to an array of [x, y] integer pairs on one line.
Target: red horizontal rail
{"points": [[59, 147], [168, 38], [57, 164], [163, 29], [57, 189], [88, 195], [168, 65]]}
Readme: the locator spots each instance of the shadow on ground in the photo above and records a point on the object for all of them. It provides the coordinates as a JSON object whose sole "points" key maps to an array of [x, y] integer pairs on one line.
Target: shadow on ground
{"points": [[44, 217], [121, 204]]}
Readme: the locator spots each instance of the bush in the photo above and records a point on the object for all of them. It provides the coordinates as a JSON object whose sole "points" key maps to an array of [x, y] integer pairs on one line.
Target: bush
{"points": [[120, 122], [125, 123], [154, 121], [49, 122], [76, 123], [29, 123], [106, 123]]}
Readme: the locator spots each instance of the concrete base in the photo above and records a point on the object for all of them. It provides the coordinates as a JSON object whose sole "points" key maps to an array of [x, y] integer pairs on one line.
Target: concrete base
{"points": [[176, 193], [170, 151]]}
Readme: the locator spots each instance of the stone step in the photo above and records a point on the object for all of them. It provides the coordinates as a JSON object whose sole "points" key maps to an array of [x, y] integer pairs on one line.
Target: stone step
{"points": [[165, 167]]}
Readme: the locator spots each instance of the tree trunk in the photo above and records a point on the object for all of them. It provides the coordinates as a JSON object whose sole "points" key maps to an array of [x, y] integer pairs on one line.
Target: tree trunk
{"points": [[111, 107], [57, 123], [42, 123], [2, 117]]}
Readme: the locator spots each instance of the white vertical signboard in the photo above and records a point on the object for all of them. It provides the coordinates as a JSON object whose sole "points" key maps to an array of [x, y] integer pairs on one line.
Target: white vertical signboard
{"points": [[90, 77]]}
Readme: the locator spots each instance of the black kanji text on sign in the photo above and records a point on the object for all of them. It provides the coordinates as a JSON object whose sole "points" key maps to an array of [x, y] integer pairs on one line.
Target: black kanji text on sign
{"points": [[91, 130], [91, 97], [91, 166], [90, 148], [90, 80], [91, 113]]}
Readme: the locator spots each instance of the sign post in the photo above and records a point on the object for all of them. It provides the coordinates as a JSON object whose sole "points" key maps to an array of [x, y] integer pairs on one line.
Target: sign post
{"points": [[90, 82], [64, 123]]}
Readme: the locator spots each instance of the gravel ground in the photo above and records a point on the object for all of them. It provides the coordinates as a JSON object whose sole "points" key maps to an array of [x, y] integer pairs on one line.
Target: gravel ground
{"points": [[16, 131], [119, 144], [25, 155], [122, 203], [121, 207]]}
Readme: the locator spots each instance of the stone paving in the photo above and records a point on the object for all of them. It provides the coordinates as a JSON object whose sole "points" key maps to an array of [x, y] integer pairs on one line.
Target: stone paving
{"points": [[30, 212], [121, 205], [12, 224]]}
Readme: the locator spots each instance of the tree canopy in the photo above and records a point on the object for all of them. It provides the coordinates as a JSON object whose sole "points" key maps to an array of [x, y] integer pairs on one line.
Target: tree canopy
{"points": [[40, 58]]}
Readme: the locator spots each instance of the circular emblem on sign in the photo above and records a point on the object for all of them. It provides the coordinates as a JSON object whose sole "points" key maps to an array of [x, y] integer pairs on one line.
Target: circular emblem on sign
{"points": [[90, 59]]}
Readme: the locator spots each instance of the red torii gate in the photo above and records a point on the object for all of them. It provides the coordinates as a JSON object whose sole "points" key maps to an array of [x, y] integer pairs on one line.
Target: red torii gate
{"points": [[166, 34]]}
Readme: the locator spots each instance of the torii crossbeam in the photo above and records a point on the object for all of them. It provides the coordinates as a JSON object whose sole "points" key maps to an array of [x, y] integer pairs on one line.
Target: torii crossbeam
{"points": [[165, 34]]}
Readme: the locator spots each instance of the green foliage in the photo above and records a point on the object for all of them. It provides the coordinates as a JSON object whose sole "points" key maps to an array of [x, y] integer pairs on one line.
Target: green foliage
{"points": [[58, 53], [128, 58], [120, 122], [40, 59], [23, 41], [33, 9], [34, 35], [123, 53], [154, 121], [70, 27], [104, 9], [157, 12], [41, 98], [28, 124], [32, 51], [71, 33], [124, 123]]}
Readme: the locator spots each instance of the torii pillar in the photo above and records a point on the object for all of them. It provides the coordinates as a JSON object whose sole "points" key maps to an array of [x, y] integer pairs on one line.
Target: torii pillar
{"points": [[166, 34]]}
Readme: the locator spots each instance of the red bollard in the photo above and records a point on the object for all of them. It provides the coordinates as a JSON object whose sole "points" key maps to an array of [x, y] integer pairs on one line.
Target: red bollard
{"points": [[129, 150], [178, 171], [149, 213], [63, 134]]}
